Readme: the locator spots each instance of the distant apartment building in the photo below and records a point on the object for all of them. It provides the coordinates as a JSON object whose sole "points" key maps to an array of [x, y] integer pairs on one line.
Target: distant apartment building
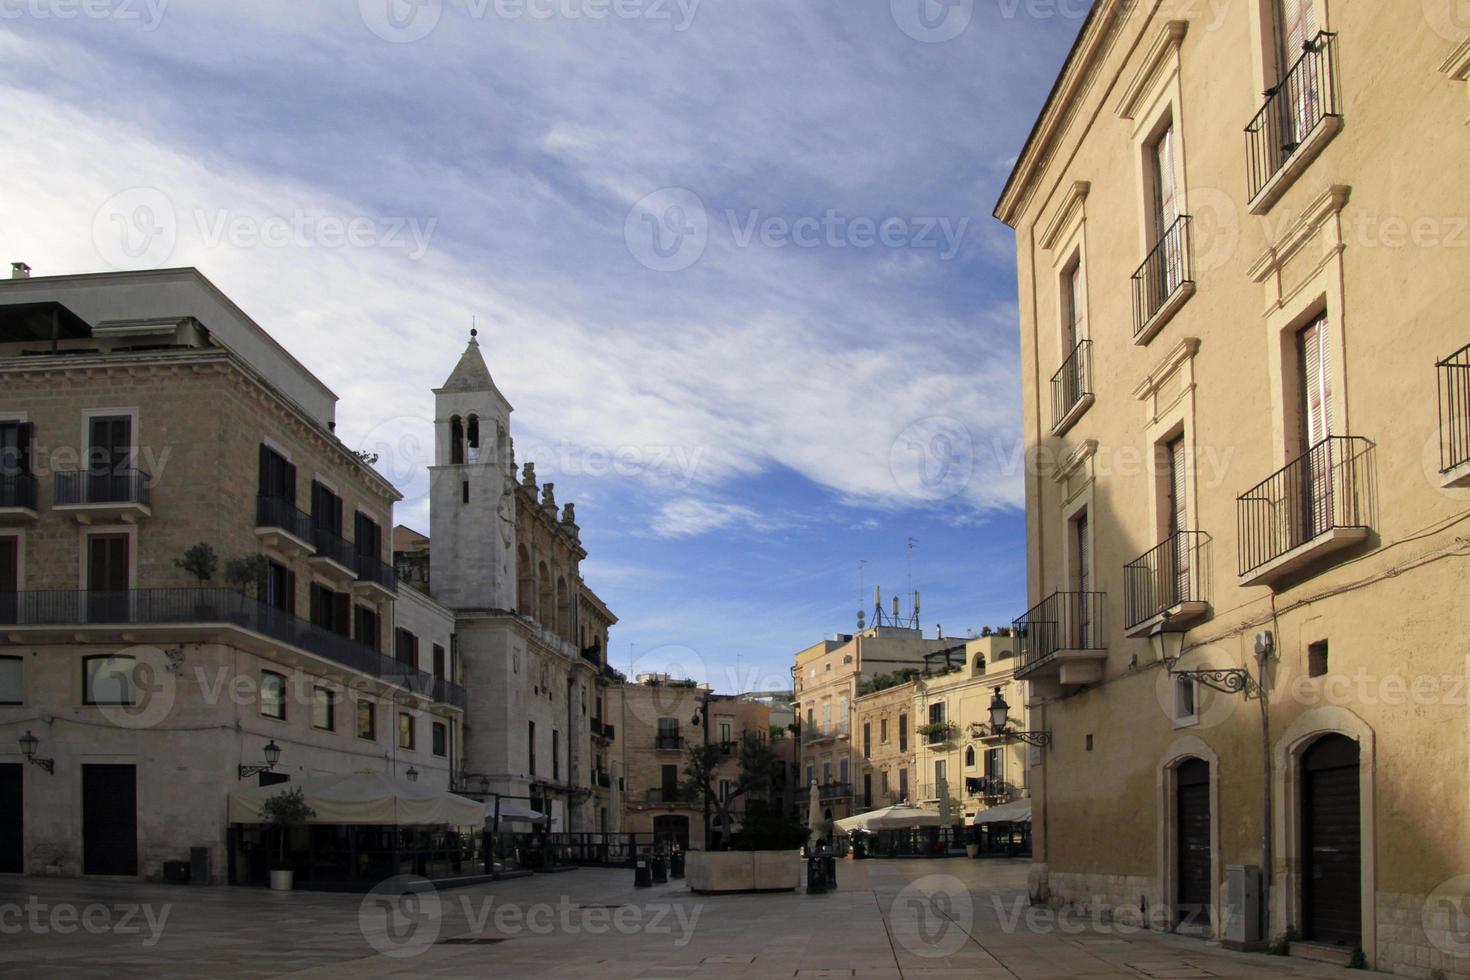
{"points": [[926, 725], [660, 719], [826, 678], [1243, 284]]}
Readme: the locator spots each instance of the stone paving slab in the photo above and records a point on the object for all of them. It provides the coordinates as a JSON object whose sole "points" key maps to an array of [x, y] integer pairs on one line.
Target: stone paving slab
{"points": [[887, 920]]}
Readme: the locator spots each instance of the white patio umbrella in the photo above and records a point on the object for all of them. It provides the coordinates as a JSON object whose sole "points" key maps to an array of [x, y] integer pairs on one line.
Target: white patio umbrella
{"points": [[889, 818]]}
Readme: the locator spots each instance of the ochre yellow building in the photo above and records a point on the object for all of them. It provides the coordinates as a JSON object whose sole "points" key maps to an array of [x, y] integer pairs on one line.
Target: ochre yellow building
{"points": [[1245, 378]]}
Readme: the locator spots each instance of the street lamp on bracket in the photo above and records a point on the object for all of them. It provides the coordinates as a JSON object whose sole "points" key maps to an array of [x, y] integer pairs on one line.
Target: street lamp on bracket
{"points": [[999, 727], [1167, 640]]}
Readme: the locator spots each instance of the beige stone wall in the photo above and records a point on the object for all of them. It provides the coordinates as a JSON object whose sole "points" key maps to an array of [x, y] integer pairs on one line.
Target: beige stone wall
{"points": [[1373, 233]]}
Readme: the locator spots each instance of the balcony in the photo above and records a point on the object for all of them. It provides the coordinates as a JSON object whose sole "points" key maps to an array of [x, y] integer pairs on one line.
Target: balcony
{"points": [[333, 555], [1301, 116], [17, 498], [668, 742], [592, 654], [1454, 418], [602, 730], [376, 575], [281, 526], [1315, 506], [835, 791], [992, 789], [1061, 641], [823, 733], [1071, 388], [1164, 282], [668, 795], [117, 495], [175, 615], [939, 732], [1169, 579]]}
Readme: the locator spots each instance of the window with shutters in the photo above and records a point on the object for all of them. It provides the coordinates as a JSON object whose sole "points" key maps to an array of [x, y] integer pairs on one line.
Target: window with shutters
{"points": [[17, 481], [10, 551], [405, 647], [277, 476]]}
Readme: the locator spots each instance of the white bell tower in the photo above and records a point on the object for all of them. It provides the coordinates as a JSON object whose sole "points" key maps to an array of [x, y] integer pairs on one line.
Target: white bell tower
{"points": [[472, 491]]}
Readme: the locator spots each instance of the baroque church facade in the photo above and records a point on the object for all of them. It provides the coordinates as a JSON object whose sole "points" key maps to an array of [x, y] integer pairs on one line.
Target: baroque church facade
{"points": [[531, 638]]}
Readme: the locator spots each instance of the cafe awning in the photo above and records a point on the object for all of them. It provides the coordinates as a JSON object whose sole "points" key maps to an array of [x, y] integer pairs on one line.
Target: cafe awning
{"points": [[364, 798], [511, 812], [1017, 811]]}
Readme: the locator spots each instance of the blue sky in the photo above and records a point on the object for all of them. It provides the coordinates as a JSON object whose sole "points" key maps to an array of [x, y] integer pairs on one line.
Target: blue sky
{"points": [[732, 262]]}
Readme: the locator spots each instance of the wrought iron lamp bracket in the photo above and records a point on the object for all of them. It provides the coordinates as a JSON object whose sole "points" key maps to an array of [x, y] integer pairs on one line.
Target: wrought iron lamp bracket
{"points": [[1226, 680]]}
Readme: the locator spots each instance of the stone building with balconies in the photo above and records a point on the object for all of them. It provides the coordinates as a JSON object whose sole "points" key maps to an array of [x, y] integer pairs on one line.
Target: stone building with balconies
{"points": [[193, 583], [1244, 378]]}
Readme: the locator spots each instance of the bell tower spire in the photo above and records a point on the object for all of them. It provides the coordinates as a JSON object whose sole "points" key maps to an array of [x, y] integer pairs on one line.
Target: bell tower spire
{"points": [[472, 489]]}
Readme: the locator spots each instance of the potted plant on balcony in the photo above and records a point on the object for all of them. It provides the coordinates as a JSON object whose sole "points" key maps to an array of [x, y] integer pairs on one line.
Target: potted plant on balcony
{"points": [[283, 811], [939, 731], [201, 562]]}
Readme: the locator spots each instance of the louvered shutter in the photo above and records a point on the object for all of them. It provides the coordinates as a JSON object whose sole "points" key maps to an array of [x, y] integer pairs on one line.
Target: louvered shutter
{"points": [[1178, 521], [1316, 389]]}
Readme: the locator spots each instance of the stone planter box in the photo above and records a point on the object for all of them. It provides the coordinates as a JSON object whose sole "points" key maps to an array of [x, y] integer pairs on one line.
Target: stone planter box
{"points": [[743, 871]]}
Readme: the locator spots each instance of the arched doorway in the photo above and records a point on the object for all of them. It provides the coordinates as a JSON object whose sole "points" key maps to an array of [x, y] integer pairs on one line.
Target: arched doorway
{"points": [[1192, 824], [671, 828], [1332, 843]]}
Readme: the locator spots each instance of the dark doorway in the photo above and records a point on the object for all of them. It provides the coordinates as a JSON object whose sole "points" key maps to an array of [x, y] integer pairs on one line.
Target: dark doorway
{"points": [[671, 828], [1192, 812], [12, 829], [109, 820], [1332, 843]]}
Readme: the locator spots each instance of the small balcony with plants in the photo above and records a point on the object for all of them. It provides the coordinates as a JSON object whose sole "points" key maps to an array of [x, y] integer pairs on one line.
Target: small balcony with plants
{"points": [[939, 732]]}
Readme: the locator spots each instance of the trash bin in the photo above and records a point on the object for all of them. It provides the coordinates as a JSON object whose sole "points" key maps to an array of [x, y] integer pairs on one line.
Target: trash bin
{"points": [[816, 875], [660, 870], [676, 864], [642, 873]]}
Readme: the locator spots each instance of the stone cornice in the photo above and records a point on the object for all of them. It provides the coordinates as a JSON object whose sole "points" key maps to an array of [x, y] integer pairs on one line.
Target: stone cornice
{"points": [[1070, 207], [1164, 48], [1325, 205], [1182, 352], [1077, 73], [1075, 459]]}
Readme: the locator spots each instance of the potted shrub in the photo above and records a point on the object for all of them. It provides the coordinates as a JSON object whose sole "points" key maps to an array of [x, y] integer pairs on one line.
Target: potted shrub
{"points": [[939, 731], [283, 811], [201, 562]]}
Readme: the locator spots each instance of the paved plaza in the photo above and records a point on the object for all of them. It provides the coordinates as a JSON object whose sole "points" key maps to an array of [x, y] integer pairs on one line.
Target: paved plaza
{"points": [[942, 918]]}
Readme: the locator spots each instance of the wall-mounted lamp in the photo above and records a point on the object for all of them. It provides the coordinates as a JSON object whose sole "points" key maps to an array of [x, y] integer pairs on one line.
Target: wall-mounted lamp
{"points": [[1000, 721], [1168, 643], [28, 745], [272, 756]]}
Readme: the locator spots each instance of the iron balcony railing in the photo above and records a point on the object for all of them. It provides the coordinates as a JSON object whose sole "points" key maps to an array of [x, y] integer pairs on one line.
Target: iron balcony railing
{"points": [[139, 607], [124, 486], [280, 513], [834, 791], [1061, 621], [990, 787], [330, 544], [591, 655], [602, 729], [1325, 488], [668, 741], [1072, 382], [1454, 409], [376, 571], [1305, 96], [1166, 575], [18, 490], [1164, 272], [667, 794]]}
